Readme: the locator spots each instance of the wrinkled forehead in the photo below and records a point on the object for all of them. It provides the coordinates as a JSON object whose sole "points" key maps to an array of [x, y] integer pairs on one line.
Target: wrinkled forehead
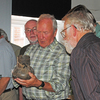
{"points": [[30, 24], [45, 23], [45, 20]]}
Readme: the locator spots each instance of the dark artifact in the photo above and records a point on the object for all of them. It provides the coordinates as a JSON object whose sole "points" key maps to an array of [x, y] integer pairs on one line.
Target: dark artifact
{"points": [[22, 68]]}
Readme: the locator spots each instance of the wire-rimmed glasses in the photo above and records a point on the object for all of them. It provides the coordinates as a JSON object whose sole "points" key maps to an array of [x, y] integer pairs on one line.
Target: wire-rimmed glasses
{"points": [[63, 32], [29, 30]]}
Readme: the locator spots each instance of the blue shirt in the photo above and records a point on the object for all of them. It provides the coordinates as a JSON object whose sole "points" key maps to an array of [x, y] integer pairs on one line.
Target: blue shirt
{"points": [[7, 60]]}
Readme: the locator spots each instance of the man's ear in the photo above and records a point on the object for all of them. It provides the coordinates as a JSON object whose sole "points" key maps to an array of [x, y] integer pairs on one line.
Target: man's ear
{"points": [[74, 30]]}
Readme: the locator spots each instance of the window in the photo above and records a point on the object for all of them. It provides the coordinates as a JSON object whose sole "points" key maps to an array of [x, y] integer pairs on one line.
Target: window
{"points": [[17, 30]]}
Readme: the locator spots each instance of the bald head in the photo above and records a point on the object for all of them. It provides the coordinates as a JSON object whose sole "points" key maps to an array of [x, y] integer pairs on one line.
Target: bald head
{"points": [[30, 31]]}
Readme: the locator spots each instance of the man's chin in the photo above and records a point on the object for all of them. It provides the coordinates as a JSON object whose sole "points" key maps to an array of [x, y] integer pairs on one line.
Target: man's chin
{"points": [[33, 41], [68, 47], [42, 46]]}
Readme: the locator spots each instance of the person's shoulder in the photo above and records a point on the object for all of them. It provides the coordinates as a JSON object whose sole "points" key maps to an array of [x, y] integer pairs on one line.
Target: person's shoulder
{"points": [[97, 24], [23, 49], [61, 46], [25, 46], [15, 46]]}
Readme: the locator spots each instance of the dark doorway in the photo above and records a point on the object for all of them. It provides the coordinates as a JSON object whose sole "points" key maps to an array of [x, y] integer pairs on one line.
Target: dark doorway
{"points": [[33, 8]]}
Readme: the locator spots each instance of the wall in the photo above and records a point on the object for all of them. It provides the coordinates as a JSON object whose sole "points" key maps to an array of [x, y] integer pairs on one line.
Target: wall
{"points": [[5, 16], [92, 5]]}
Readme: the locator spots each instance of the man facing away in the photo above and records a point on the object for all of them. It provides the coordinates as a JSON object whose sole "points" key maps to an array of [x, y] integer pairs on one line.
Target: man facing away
{"points": [[84, 46], [16, 48], [7, 63], [50, 63], [96, 24]]}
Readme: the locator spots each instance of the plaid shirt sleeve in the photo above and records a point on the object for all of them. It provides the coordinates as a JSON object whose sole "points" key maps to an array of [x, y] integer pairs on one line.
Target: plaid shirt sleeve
{"points": [[60, 78]]}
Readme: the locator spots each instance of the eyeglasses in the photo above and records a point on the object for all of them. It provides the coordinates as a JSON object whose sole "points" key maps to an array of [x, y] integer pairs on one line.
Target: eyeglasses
{"points": [[29, 30], [63, 32]]}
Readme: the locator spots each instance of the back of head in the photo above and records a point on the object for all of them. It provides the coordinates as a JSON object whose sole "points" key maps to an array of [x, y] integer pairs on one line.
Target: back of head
{"points": [[48, 16], [77, 8], [2, 32], [80, 8], [81, 17]]}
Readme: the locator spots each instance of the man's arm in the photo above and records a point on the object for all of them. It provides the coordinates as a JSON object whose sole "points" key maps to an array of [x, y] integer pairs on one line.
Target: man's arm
{"points": [[3, 84], [34, 82]]}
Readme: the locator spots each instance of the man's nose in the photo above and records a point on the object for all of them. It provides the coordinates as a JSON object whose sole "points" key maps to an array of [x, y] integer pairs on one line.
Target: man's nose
{"points": [[42, 35]]}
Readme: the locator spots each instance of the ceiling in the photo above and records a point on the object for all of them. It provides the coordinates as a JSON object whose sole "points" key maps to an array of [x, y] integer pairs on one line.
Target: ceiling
{"points": [[33, 8]]}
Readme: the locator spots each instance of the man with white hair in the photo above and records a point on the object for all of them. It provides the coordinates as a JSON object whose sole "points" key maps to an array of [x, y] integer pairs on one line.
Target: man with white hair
{"points": [[83, 45], [50, 62]]}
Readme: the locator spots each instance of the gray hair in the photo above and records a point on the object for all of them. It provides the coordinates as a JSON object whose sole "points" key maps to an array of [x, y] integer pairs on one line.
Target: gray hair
{"points": [[4, 34], [31, 20], [48, 16], [82, 19]]}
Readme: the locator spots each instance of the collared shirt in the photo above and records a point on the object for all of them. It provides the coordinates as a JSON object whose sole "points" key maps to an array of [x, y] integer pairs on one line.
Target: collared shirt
{"points": [[7, 60], [85, 67], [50, 64]]}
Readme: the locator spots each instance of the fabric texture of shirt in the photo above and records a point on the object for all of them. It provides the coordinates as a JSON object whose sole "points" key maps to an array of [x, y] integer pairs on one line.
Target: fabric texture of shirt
{"points": [[85, 67], [16, 49], [7, 60], [50, 64]]}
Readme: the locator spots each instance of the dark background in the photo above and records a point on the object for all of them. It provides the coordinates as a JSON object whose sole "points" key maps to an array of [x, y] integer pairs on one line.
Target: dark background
{"points": [[33, 8]]}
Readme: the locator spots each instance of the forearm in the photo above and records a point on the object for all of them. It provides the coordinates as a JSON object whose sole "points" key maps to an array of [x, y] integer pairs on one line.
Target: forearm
{"points": [[47, 86], [3, 84], [34, 82]]}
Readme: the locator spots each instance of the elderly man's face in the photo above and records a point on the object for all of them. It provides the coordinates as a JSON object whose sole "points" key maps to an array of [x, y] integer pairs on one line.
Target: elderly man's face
{"points": [[45, 32], [67, 37], [30, 31]]}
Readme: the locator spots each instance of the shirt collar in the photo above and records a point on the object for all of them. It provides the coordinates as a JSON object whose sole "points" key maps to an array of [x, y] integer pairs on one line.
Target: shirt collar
{"points": [[51, 46], [2, 39]]}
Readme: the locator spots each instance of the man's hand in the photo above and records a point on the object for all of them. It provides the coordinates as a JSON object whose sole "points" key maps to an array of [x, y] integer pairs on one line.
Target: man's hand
{"points": [[29, 83], [34, 82]]}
